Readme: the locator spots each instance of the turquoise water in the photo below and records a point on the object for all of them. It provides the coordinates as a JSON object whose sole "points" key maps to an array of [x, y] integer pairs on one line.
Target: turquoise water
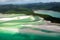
{"points": [[47, 12], [10, 34], [28, 36]]}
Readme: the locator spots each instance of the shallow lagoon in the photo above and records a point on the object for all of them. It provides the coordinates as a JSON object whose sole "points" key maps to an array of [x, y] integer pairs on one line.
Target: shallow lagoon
{"points": [[48, 12], [14, 31], [6, 35]]}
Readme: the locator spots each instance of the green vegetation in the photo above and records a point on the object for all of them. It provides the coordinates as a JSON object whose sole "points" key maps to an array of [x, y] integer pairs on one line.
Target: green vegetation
{"points": [[55, 6]]}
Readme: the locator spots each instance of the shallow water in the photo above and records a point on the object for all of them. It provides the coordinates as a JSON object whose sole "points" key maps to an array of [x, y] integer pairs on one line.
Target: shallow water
{"points": [[41, 35], [18, 36], [30, 33], [47, 12]]}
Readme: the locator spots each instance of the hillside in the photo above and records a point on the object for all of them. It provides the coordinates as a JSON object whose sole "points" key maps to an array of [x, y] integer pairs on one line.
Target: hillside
{"points": [[34, 6]]}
